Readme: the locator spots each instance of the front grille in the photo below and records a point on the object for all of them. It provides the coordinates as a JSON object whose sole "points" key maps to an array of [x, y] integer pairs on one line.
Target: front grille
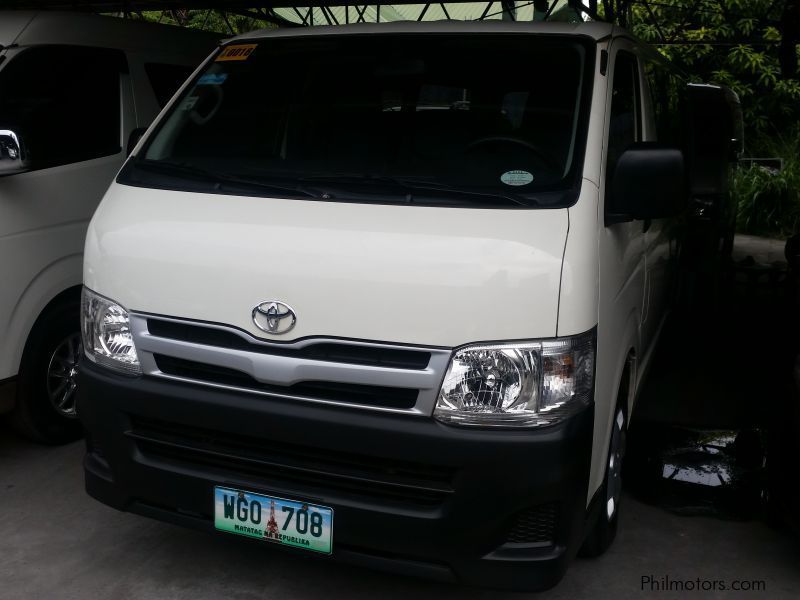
{"points": [[350, 393], [535, 525], [316, 470], [374, 356], [355, 374]]}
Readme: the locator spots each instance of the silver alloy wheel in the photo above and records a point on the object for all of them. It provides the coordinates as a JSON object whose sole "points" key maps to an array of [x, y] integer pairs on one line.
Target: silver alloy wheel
{"points": [[62, 374], [614, 470]]}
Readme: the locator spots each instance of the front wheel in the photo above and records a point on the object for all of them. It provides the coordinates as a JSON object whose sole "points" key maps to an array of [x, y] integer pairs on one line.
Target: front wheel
{"points": [[604, 530], [45, 409]]}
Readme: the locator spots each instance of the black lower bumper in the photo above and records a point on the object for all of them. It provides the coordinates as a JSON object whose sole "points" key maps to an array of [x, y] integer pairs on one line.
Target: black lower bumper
{"points": [[502, 509]]}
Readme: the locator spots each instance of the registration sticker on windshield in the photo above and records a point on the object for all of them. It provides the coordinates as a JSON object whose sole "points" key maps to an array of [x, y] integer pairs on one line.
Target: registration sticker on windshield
{"points": [[212, 79], [516, 177], [237, 52]]}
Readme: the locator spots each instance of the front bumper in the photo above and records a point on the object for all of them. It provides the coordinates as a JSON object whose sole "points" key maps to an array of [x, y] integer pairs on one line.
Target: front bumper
{"points": [[502, 509]]}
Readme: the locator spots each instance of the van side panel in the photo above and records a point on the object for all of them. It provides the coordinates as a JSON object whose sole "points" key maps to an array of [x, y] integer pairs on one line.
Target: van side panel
{"points": [[45, 216], [603, 275], [621, 294], [660, 249], [578, 298], [579, 274]]}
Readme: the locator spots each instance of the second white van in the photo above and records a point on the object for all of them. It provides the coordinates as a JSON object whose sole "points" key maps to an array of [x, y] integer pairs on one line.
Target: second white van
{"points": [[75, 91]]}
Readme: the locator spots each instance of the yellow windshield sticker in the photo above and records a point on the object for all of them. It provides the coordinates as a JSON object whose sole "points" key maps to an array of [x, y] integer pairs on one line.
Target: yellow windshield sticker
{"points": [[238, 52]]}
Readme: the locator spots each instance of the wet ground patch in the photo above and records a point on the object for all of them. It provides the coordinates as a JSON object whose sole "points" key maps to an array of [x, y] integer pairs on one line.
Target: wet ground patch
{"points": [[716, 428]]}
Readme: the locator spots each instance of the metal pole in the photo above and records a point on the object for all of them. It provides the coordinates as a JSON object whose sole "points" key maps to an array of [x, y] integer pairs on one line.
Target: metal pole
{"points": [[509, 10], [540, 9]]}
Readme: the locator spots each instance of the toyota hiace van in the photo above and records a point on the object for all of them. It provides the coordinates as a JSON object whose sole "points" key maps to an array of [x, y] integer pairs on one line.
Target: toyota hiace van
{"points": [[387, 293]]}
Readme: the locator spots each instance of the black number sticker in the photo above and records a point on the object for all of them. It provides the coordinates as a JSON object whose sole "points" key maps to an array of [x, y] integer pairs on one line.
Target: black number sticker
{"points": [[316, 524], [290, 510], [302, 524]]}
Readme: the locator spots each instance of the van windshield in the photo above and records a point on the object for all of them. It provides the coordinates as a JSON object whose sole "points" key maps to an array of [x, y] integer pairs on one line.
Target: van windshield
{"points": [[454, 119]]}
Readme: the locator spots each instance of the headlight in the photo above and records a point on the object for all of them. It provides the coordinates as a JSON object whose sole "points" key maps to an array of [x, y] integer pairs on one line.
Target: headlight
{"points": [[518, 385], [107, 337]]}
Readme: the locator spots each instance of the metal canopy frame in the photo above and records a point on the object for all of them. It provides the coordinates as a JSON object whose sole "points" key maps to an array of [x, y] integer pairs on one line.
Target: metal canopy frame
{"points": [[350, 11], [616, 11], [356, 12], [304, 10]]}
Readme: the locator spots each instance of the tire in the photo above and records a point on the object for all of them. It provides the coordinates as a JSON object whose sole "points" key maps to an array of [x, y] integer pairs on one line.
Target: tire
{"points": [[604, 529], [45, 406]]}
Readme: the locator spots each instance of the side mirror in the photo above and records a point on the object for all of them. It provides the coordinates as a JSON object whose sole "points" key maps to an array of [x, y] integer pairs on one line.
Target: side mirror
{"points": [[649, 182], [13, 154], [716, 139]]}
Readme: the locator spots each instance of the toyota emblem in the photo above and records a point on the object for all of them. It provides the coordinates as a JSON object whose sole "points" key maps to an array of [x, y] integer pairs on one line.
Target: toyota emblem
{"points": [[274, 317]]}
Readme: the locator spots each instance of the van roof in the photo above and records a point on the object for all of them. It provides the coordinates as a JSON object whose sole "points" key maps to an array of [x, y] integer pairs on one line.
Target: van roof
{"points": [[51, 27], [592, 29]]}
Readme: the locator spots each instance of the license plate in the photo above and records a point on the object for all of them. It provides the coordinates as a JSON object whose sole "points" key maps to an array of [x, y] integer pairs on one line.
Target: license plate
{"points": [[277, 520]]}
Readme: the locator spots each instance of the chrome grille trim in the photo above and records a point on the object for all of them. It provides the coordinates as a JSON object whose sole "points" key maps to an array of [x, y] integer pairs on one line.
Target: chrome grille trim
{"points": [[280, 370]]}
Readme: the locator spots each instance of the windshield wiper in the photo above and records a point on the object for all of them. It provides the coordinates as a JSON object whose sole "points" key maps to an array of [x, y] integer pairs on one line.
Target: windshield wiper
{"points": [[221, 179], [411, 185]]}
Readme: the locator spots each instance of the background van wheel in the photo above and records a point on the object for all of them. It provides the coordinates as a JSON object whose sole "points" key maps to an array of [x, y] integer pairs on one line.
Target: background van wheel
{"points": [[45, 408], [604, 530]]}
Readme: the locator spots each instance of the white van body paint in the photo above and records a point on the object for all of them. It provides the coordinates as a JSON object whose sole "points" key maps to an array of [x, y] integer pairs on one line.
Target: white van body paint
{"points": [[405, 274]]}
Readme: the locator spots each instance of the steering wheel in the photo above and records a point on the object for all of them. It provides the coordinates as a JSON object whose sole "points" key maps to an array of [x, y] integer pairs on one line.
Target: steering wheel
{"points": [[543, 156]]}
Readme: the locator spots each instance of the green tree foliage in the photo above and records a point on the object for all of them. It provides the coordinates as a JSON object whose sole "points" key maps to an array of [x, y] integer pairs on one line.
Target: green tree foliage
{"points": [[738, 43], [731, 42], [207, 20], [768, 201]]}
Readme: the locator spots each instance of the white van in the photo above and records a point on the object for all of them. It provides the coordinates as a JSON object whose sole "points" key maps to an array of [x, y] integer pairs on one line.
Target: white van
{"points": [[387, 293], [74, 89]]}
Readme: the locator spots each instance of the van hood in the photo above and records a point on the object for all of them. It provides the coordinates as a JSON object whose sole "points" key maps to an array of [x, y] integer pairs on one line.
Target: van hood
{"points": [[403, 274]]}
